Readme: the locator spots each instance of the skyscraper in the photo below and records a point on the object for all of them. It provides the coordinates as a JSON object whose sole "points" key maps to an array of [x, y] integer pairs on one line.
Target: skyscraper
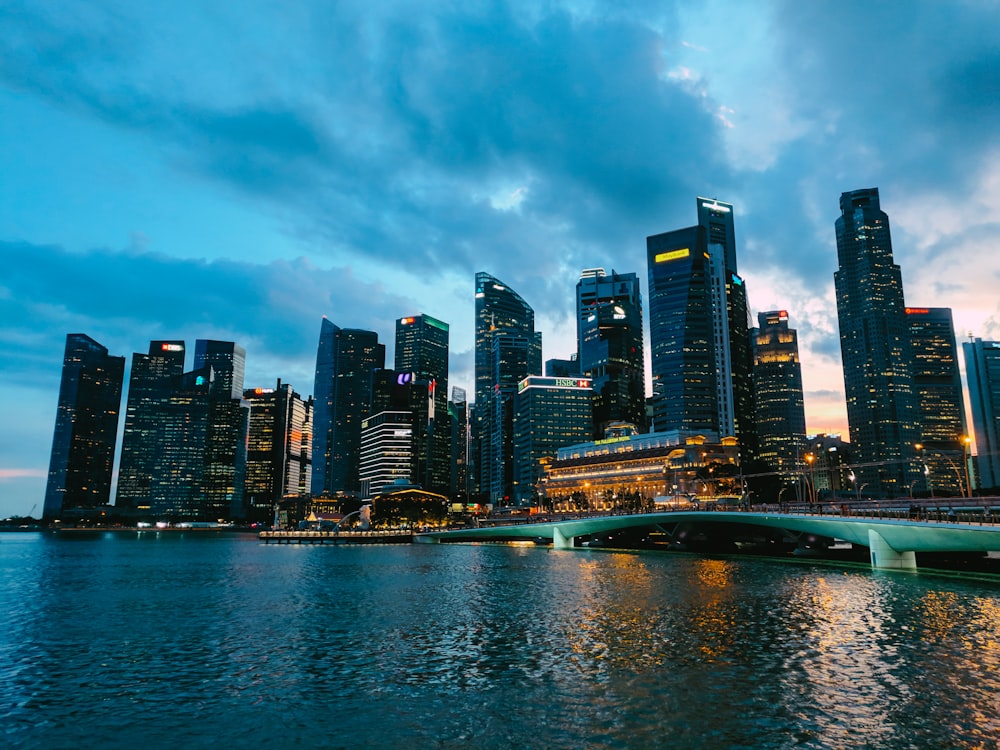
{"points": [[779, 404], [345, 361], [549, 414], [458, 411], [184, 446], [610, 349], [700, 330], [149, 384], [938, 388], [500, 366], [982, 371], [226, 441], [875, 346], [86, 428], [279, 462], [422, 350]]}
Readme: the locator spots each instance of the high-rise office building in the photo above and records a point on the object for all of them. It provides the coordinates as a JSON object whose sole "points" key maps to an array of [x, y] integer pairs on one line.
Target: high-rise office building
{"points": [[184, 445], [422, 350], [458, 412], [610, 348], [937, 384], [778, 401], [982, 371], [225, 449], [387, 447], [86, 428], [345, 361], [508, 349], [700, 330], [549, 414], [149, 383], [279, 463], [875, 347]]}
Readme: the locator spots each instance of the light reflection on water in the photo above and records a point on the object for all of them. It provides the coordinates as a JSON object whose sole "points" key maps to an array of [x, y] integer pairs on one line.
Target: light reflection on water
{"points": [[188, 640]]}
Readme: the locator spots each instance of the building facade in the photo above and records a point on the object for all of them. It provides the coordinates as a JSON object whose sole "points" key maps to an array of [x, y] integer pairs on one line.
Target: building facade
{"points": [[549, 414], [700, 330], [86, 428], [387, 451], [422, 349], [507, 350], [345, 361], [610, 347], [875, 347], [279, 446], [779, 405], [937, 385], [982, 371]]}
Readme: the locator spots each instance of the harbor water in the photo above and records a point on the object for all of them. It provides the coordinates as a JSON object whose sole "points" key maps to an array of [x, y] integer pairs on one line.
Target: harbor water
{"points": [[204, 640]]}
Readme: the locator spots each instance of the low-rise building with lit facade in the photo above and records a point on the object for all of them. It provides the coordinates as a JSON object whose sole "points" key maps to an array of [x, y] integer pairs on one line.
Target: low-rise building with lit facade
{"points": [[630, 471]]}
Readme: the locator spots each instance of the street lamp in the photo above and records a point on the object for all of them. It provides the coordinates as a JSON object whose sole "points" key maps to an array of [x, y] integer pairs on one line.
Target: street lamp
{"points": [[810, 458], [966, 444], [854, 480]]}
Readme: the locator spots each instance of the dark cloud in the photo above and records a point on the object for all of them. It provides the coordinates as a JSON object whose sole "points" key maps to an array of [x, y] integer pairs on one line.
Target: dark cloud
{"points": [[126, 299]]}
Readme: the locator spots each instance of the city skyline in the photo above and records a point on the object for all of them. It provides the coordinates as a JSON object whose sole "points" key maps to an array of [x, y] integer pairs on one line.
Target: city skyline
{"points": [[171, 180]]}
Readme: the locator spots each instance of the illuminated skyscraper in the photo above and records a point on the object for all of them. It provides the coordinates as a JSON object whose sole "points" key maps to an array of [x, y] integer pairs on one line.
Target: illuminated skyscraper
{"points": [[345, 361], [184, 446], [779, 404], [422, 350], [458, 411], [279, 462], [982, 371], [508, 349], [225, 448], [940, 403], [875, 347], [610, 349], [149, 384], [549, 414], [83, 442], [700, 330]]}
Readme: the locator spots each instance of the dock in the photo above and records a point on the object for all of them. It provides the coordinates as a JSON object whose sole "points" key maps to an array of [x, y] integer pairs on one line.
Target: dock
{"points": [[387, 536]]}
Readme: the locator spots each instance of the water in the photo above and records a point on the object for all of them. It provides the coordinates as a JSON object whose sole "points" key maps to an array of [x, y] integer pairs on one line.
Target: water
{"points": [[191, 640]]}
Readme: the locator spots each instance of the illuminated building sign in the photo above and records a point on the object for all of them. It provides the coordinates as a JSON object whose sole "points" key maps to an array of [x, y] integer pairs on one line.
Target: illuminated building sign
{"points": [[404, 378], [406, 321], [262, 391], [172, 347], [672, 255], [541, 382], [717, 207], [917, 311]]}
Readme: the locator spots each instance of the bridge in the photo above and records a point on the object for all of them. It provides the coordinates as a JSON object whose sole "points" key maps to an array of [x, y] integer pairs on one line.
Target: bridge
{"points": [[893, 539]]}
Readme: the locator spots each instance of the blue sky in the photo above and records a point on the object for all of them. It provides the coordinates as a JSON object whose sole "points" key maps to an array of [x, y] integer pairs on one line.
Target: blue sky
{"points": [[238, 170]]}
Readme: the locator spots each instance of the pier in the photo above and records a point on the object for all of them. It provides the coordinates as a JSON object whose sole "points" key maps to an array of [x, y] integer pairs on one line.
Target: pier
{"points": [[389, 536]]}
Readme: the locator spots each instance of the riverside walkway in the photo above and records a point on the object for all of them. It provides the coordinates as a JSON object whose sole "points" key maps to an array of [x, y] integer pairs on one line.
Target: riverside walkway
{"points": [[893, 535]]}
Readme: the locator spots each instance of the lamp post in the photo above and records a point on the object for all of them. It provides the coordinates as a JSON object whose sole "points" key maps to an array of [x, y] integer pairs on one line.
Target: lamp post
{"points": [[810, 458], [854, 480], [966, 444]]}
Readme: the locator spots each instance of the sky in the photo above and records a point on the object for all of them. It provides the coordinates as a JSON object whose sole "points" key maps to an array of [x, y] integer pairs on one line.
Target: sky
{"points": [[238, 170]]}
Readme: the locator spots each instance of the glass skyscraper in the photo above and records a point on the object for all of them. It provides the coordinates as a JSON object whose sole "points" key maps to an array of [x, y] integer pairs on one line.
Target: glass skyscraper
{"points": [[149, 384], [875, 347], [422, 350], [279, 461], [700, 330], [940, 404], [549, 414], [508, 349], [982, 371], [86, 428], [345, 361], [779, 403], [610, 347]]}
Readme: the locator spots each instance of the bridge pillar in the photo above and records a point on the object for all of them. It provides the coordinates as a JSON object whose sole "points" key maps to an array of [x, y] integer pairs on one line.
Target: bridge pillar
{"points": [[560, 540], [885, 557]]}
